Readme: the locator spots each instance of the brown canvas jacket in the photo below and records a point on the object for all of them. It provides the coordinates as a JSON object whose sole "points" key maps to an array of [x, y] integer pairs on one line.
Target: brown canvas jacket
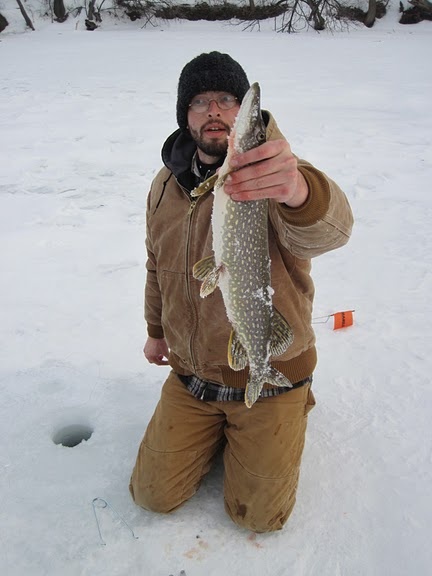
{"points": [[179, 235]]}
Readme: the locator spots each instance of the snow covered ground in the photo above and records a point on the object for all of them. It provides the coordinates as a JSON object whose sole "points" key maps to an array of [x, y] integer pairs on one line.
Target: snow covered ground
{"points": [[82, 120]]}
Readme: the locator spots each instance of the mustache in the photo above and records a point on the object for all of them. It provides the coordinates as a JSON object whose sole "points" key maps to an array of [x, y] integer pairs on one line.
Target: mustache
{"points": [[214, 123]]}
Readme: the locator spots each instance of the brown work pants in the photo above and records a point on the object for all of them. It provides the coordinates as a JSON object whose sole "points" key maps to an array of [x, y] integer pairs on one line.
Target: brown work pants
{"points": [[262, 454]]}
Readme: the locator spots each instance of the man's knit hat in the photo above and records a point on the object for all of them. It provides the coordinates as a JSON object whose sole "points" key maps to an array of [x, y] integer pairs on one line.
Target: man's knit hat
{"points": [[214, 72]]}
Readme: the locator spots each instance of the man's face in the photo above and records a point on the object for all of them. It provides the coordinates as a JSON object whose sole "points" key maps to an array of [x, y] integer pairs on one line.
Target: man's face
{"points": [[210, 128]]}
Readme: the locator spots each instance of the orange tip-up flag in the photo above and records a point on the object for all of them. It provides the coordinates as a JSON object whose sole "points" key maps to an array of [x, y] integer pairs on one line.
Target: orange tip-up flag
{"points": [[343, 319]]}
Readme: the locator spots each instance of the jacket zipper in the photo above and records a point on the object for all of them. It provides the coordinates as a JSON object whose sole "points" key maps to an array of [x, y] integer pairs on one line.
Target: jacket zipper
{"points": [[190, 214], [192, 207]]}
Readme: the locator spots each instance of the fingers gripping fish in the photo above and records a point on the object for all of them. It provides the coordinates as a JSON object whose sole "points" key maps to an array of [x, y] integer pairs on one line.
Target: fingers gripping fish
{"points": [[241, 265]]}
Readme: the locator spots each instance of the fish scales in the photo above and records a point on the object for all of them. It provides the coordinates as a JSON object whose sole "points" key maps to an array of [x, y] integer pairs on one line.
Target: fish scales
{"points": [[241, 265], [246, 284]]}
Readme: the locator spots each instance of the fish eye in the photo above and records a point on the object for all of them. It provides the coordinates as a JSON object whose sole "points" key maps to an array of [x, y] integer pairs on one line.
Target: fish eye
{"points": [[261, 136]]}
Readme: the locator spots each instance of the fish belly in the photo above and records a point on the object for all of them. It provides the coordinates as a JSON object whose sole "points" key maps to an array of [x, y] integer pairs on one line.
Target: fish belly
{"points": [[240, 244]]}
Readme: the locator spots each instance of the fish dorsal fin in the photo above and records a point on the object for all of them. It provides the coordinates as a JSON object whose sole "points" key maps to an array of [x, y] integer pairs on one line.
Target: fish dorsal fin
{"points": [[237, 355], [282, 335], [207, 271]]}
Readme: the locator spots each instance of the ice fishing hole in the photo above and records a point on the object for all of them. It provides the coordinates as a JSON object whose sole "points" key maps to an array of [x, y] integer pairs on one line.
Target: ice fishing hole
{"points": [[72, 435]]}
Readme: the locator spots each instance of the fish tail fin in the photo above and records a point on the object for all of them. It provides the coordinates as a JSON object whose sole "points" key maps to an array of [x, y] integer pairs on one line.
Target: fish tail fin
{"points": [[276, 378], [257, 380]]}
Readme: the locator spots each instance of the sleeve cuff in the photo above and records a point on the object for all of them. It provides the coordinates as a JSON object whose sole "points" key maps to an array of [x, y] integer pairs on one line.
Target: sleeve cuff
{"points": [[317, 202], [155, 331]]}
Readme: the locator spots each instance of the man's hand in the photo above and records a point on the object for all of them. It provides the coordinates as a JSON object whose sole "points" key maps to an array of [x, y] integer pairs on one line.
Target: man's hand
{"points": [[156, 351], [268, 171]]}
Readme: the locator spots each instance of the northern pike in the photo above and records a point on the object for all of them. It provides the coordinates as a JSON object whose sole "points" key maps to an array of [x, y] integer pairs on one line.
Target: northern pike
{"points": [[240, 265]]}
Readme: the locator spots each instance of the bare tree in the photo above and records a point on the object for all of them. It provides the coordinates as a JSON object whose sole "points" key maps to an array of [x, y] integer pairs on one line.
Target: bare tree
{"points": [[302, 12], [293, 19], [316, 7], [424, 5], [331, 14], [60, 11], [371, 14], [91, 9], [94, 11], [3, 23], [25, 15]]}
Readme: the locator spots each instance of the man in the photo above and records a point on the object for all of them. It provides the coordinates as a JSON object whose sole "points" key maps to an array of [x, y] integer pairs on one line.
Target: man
{"points": [[202, 402]]}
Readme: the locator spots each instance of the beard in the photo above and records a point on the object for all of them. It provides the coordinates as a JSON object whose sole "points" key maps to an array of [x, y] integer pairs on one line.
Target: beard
{"points": [[211, 147]]}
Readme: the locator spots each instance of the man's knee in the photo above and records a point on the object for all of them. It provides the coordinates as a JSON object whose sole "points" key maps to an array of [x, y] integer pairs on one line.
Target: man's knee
{"points": [[163, 481], [258, 520], [257, 503], [152, 500]]}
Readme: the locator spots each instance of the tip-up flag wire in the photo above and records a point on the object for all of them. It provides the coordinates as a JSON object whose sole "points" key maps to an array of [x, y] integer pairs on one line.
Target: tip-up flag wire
{"points": [[340, 319], [101, 503]]}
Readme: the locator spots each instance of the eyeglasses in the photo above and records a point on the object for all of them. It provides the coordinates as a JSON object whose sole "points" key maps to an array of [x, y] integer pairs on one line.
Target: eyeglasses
{"points": [[202, 104]]}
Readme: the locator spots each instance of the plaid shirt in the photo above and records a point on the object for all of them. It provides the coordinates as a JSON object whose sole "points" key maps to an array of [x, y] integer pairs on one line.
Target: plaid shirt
{"points": [[210, 391]]}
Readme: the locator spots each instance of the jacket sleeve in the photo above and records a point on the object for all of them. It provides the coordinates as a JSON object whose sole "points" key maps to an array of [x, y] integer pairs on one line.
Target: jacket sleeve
{"points": [[323, 223], [152, 294]]}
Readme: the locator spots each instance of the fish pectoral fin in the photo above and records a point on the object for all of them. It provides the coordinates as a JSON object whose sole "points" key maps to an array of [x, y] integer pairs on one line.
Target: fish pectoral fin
{"points": [[203, 268], [209, 184], [282, 335], [210, 282], [205, 186], [207, 271], [237, 355]]}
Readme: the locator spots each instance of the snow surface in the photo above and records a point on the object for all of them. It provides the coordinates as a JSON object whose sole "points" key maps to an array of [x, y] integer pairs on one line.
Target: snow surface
{"points": [[83, 116]]}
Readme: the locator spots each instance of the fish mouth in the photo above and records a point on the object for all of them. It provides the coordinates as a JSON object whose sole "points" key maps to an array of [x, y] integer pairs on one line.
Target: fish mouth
{"points": [[249, 127]]}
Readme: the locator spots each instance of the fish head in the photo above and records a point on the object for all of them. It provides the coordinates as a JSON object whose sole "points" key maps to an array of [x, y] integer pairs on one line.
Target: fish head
{"points": [[249, 130]]}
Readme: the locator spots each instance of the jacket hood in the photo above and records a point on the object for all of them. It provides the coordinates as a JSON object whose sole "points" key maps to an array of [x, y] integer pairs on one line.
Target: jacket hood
{"points": [[177, 153]]}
